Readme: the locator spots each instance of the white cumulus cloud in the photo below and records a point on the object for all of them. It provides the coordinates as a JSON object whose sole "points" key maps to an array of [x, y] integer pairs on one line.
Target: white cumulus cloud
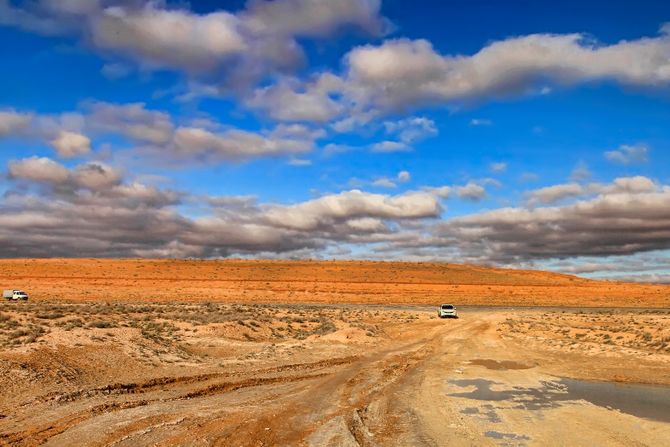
{"points": [[71, 144], [628, 154]]}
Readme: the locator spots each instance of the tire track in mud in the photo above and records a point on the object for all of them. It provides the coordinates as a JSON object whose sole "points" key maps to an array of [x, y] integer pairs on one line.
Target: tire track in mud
{"points": [[139, 427], [370, 427], [352, 392], [297, 411], [377, 416], [159, 382], [227, 387], [39, 435]]}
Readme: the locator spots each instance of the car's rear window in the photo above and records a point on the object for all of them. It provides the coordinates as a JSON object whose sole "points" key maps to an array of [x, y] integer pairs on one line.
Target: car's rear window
{"points": [[447, 306]]}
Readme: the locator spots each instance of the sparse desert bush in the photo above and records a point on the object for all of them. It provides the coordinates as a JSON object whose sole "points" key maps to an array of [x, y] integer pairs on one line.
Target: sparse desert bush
{"points": [[50, 315], [26, 334], [160, 332], [68, 325], [326, 327], [7, 322], [101, 324]]}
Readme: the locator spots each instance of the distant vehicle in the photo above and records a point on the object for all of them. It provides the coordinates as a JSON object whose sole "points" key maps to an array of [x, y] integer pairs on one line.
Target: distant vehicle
{"points": [[14, 295], [447, 311]]}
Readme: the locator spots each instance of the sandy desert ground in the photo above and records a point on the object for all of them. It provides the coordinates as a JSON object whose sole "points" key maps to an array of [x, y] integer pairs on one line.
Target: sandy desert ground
{"points": [[361, 282], [193, 371]]}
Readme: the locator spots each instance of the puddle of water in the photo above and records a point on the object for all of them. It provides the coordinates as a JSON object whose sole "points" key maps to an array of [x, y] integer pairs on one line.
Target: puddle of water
{"points": [[488, 413], [507, 439], [511, 436], [548, 396], [645, 401], [499, 365]]}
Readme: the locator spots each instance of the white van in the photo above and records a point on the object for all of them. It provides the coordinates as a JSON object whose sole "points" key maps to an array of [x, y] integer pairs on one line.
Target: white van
{"points": [[447, 311], [14, 295]]}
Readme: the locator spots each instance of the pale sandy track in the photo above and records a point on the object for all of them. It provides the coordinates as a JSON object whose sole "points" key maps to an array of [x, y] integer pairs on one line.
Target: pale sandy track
{"points": [[396, 392]]}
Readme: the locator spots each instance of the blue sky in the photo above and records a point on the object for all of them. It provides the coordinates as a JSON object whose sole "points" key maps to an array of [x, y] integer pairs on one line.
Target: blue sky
{"points": [[522, 134]]}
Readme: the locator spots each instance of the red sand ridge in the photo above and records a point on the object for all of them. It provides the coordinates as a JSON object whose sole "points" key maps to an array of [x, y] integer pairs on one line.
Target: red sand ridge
{"points": [[315, 282]]}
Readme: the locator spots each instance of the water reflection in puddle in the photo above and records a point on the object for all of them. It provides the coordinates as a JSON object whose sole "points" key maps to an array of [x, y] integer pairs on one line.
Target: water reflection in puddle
{"points": [[547, 396], [646, 401], [510, 436]]}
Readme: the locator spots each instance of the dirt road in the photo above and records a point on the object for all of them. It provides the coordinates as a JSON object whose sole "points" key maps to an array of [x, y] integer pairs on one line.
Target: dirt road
{"points": [[425, 382]]}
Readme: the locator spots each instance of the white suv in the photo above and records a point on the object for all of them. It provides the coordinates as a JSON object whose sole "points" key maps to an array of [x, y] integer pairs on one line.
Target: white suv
{"points": [[447, 311]]}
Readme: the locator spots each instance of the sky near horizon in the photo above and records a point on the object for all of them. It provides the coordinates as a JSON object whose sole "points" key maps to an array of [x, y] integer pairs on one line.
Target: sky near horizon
{"points": [[528, 134]]}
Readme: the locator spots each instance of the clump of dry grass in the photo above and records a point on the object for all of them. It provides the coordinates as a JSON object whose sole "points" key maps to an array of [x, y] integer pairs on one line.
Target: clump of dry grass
{"points": [[160, 332], [101, 324]]}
